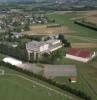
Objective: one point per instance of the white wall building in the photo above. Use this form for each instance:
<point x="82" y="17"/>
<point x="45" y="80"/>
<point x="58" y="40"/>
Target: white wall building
<point x="80" y="55"/>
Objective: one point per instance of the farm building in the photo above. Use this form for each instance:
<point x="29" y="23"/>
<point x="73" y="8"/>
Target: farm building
<point x="41" y="47"/>
<point x="60" y="70"/>
<point x="80" y="55"/>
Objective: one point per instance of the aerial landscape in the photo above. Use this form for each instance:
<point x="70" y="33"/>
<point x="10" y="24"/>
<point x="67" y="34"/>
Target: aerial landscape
<point x="48" y="49"/>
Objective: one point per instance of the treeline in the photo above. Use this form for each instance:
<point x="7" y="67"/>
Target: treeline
<point x="54" y="26"/>
<point x="86" y="24"/>
<point x="64" y="87"/>
<point x="14" y="52"/>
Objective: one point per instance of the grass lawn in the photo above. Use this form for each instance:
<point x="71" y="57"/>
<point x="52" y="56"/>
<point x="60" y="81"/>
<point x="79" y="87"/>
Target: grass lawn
<point x="25" y="87"/>
<point x="13" y="88"/>
<point x="1" y="56"/>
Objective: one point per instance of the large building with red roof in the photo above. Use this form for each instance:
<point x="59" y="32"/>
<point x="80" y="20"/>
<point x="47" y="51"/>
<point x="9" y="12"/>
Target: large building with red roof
<point x="80" y="55"/>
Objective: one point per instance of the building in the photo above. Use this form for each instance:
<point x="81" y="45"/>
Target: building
<point x="42" y="47"/>
<point x="80" y="55"/>
<point x="12" y="61"/>
<point x="51" y="71"/>
<point x="16" y="35"/>
<point x="73" y="79"/>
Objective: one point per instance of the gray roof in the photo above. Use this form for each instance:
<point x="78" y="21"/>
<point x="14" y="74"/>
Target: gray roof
<point x="60" y="70"/>
<point x="35" y="45"/>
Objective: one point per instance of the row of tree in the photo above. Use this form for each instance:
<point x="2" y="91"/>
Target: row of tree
<point x="64" y="87"/>
<point x="14" y="52"/>
<point x="86" y="24"/>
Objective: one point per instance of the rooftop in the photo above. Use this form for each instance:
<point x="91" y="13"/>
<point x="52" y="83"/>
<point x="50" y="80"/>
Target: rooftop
<point x="35" y="45"/>
<point x="12" y="61"/>
<point x="60" y="70"/>
<point x="79" y="53"/>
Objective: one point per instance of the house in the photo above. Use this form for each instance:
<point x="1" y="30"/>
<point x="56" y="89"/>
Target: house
<point x="73" y="79"/>
<point x="59" y="71"/>
<point x="16" y="35"/>
<point x="36" y="46"/>
<point x="80" y="55"/>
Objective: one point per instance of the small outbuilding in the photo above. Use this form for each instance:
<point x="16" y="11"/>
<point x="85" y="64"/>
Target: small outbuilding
<point x="73" y="79"/>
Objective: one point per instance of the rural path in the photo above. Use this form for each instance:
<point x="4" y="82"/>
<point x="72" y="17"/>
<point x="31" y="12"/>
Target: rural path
<point x="42" y="85"/>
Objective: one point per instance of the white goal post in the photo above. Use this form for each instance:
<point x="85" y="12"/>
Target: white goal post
<point x="2" y="72"/>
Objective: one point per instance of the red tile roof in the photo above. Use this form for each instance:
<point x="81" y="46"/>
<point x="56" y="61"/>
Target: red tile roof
<point x="79" y="53"/>
<point x="72" y="78"/>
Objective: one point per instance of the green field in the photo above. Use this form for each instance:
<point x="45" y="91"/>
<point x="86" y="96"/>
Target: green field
<point x="65" y="19"/>
<point x="18" y="86"/>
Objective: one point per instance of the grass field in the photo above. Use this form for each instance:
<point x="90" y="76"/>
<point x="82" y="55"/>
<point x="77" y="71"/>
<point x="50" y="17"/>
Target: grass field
<point x="18" y="86"/>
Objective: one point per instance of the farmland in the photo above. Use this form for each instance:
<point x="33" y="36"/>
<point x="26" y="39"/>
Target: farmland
<point x="43" y="29"/>
<point x="65" y="19"/>
<point x="92" y="19"/>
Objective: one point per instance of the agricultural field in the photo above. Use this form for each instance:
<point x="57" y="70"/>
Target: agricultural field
<point x="66" y="20"/>
<point x="92" y="19"/>
<point x="84" y="45"/>
<point x="45" y="30"/>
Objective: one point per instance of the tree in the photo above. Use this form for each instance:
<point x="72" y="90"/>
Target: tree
<point x="64" y="41"/>
<point x="62" y="38"/>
